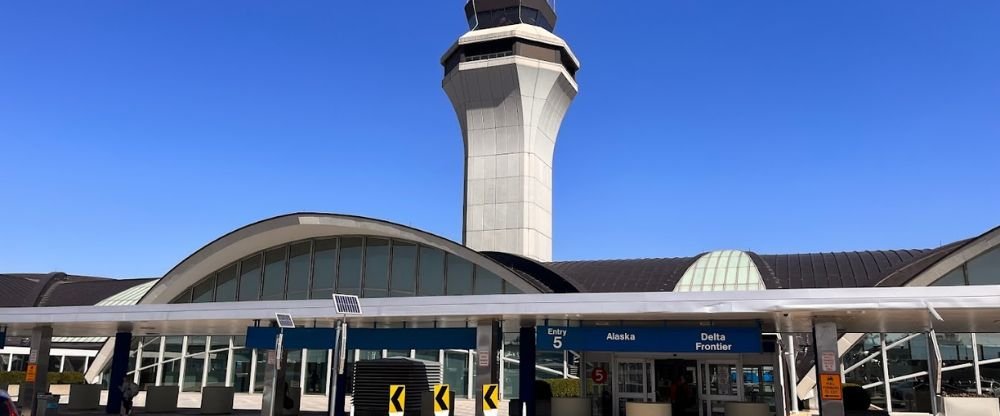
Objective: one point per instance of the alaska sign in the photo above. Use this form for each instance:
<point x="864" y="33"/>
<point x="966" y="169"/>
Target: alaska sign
<point x="651" y="339"/>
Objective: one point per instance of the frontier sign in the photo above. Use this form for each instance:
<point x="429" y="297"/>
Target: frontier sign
<point x="651" y="339"/>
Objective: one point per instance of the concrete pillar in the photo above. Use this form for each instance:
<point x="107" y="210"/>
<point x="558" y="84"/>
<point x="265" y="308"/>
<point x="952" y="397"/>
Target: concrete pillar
<point x="38" y="368"/>
<point x="526" y="376"/>
<point x="488" y="342"/>
<point x="828" y="369"/>
<point x="119" y="367"/>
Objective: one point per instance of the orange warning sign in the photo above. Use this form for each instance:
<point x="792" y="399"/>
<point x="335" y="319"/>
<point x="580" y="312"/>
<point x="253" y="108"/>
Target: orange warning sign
<point x="31" y="373"/>
<point x="829" y="387"/>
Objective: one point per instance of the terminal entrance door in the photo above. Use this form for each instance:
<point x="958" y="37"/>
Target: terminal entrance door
<point x="633" y="382"/>
<point x="720" y="383"/>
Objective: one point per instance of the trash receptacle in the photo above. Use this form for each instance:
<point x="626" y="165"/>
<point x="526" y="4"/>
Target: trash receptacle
<point x="48" y="404"/>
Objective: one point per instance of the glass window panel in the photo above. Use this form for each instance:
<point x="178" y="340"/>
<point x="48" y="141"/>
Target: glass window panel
<point x="377" y="268"/>
<point x="459" y="276"/>
<point x="955" y="348"/>
<point x="316" y="366"/>
<point x="171" y="360"/>
<point x="260" y="365"/>
<point x="274" y="275"/>
<point x="456" y="371"/>
<point x="150" y="354"/>
<point x="294" y="368"/>
<point x="431" y="276"/>
<point x="225" y="290"/>
<point x="990" y="376"/>
<point x="242" y="360"/>
<point x="404" y="269"/>
<point x="349" y="279"/>
<point x="204" y="291"/>
<point x="76" y="364"/>
<point x="19" y="362"/>
<point x="989" y="346"/>
<point x="954" y="278"/>
<point x="985" y="269"/>
<point x="869" y="344"/>
<point x="298" y="271"/>
<point x="397" y="353"/>
<point x="218" y="360"/>
<point x="194" y="364"/>
<point x="324" y="269"/>
<point x="487" y="283"/>
<point x="426" y="355"/>
<point x="250" y="278"/>
<point x="364" y="355"/>
<point x="511" y="289"/>
<point x="908" y="358"/>
<point x="55" y="361"/>
<point x="183" y="298"/>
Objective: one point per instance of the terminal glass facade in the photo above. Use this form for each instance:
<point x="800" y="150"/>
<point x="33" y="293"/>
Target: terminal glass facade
<point x="371" y="267"/>
<point x="970" y="361"/>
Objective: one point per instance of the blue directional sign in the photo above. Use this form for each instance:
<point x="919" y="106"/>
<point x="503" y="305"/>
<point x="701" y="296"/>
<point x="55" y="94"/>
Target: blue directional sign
<point x="701" y="340"/>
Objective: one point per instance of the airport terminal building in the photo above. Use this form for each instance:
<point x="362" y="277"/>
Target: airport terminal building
<point x="736" y="326"/>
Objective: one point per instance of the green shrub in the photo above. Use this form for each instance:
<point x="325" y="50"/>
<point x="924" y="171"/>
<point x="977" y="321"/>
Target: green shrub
<point x="565" y="387"/>
<point x="70" y="377"/>
<point x="17" y="377"/>
<point x="11" y="377"/>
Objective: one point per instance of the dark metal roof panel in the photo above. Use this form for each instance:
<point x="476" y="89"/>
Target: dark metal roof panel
<point x="85" y="292"/>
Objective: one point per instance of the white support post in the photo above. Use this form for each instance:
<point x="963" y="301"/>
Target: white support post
<point x="230" y="362"/>
<point x="885" y="375"/>
<point x="86" y="364"/>
<point x="253" y="369"/>
<point x="181" y="374"/>
<point x="793" y="387"/>
<point x="62" y="363"/>
<point x="159" y="361"/>
<point x="329" y="374"/>
<point x="303" y="366"/>
<point x="470" y="364"/>
<point x="206" y="362"/>
<point x="138" y="362"/>
<point x="975" y="362"/>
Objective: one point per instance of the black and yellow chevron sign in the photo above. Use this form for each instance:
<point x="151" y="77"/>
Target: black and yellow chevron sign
<point x="397" y="399"/>
<point x="491" y="398"/>
<point x="442" y="398"/>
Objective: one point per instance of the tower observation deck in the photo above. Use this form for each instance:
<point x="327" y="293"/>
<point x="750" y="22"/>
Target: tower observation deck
<point x="510" y="81"/>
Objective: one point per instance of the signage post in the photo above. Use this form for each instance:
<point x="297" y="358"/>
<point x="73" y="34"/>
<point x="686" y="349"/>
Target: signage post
<point x="343" y="305"/>
<point x="831" y="396"/>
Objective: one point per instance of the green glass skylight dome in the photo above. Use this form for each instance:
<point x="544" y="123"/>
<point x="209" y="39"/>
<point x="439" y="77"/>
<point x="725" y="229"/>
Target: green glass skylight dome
<point x="723" y="270"/>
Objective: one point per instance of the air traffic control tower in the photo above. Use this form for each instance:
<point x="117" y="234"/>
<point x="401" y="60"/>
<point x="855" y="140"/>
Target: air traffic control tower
<point x="511" y="81"/>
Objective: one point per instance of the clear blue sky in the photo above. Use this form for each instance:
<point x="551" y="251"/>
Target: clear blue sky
<point x="134" y="132"/>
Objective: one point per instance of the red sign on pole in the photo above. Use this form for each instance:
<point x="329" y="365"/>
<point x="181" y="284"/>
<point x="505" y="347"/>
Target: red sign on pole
<point x="599" y="376"/>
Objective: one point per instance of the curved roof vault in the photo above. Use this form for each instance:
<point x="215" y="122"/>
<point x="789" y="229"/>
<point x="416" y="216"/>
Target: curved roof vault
<point x="284" y="229"/>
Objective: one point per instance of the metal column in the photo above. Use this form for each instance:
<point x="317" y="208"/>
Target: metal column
<point x="38" y="368"/>
<point x="488" y="342"/>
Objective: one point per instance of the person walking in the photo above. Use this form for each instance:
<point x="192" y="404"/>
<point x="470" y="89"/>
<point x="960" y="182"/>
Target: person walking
<point x="129" y="390"/>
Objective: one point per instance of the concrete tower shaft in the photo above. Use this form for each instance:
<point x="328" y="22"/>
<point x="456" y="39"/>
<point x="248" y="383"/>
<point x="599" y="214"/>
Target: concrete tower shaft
<point x="510" y="87"/>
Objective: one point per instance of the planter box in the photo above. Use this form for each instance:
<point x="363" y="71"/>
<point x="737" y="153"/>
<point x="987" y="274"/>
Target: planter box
<point x="970" y="406"/>
<point x="747" y="409"/>
<point x="162" y="399"/>
<point x="84" y="396"/>
<point x="648" y="409"/>
<point x="217" y="400"/>
<point x="570" y="406"/>
<point x="60" y="389"/>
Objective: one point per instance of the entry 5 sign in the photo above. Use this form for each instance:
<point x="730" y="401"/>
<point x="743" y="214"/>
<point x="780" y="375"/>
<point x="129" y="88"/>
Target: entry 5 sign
<point x="700" y="340"/>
